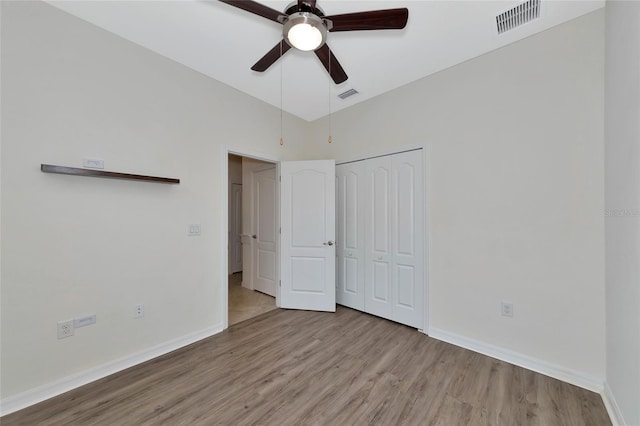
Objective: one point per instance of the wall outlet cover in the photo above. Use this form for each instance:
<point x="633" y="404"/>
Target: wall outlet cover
<point x="507" y="309"/>
<point x="139" y="311"/>
<point x="65" y="329"/>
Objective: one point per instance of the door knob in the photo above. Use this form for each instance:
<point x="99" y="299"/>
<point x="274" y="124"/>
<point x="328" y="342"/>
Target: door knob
<point x="329" y="243"/>
<point x="254" y="236"/>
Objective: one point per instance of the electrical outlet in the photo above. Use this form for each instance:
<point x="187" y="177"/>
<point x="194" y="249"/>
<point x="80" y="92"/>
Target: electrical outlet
<point x="139" y="311"/>
<point x="507" y="309"/>
<point x="65" y="329"/>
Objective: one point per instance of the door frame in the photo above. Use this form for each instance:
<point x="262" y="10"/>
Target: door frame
<point x="224" y="247"/>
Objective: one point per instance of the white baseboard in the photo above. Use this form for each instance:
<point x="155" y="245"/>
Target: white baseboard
<point x="577" y="378"/>
<point x="612" y="406"/>
<point x="44" y="392"/>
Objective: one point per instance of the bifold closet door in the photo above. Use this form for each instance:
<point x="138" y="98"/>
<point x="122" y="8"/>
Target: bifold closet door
<point x="380" y="237"/>
<point x="378" y="252"/>
<point x="394" y="235"/>
<point x="407" y="230"/>
<point x="350" y="235"/>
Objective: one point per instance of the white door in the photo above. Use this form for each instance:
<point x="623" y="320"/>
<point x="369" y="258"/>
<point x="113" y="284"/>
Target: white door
<point x="394" y="259"/>
<point x="249" y="223"/>
<point x="350" y="235"/>
<point x="265" y="231"/>
<point x="408" y="241"/>
<point x="378" y="224"/>
<point x="235" y="228"/>
<point x="308" y="235"/>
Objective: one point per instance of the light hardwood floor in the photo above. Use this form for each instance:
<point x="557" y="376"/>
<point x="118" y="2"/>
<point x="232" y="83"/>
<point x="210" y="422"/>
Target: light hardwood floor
<point x="299" y="367"/>
<point x="245" y="303"/>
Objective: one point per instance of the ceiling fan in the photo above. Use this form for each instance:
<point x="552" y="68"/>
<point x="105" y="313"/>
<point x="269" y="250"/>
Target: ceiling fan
<point x="305" y="27"/>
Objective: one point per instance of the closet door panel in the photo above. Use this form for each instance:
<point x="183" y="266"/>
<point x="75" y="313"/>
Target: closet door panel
<point x="378" y="300"/>
<point x="405" y="209"/>
<point x="350" y="235"/>
<point x="351" y="273"/>
<point x="380" y="282"/>
<point x="406" y="286"/>
<point x="408" y="233"/>
<point x="380" y="230"/>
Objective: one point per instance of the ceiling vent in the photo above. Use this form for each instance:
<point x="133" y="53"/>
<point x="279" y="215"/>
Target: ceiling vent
<point x="350" y="92"/>
<point x="519" y="15"/>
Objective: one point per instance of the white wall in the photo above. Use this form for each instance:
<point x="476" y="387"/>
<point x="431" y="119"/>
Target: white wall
<point x="622" y="185"/>
<point x="516" y="193"/>
<point x="73" y="245"/>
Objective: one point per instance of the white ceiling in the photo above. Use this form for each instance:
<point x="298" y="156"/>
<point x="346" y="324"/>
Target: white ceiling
<point x="223" y="42"/>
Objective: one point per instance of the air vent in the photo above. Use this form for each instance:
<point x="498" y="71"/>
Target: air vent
<point x="350" y="92"/>
<point x="517" y="16"/>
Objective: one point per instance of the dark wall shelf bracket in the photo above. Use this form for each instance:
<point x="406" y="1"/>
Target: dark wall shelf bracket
<point x="48" y="168"/>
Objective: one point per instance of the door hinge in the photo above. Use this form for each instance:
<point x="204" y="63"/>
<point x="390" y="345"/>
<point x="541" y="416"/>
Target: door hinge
<point x="280" y="178"/>
<point x="280" y="281"/>
<point x="280" y="230"/>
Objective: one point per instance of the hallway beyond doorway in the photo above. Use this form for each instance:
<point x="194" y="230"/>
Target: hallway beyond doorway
<point x="245" y="303"/>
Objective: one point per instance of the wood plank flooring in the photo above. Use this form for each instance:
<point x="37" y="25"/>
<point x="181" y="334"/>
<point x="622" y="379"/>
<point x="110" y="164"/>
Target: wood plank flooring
<point x="310" y="368"/>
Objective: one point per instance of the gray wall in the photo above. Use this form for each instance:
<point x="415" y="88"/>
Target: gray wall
<point x="622" y="186"/>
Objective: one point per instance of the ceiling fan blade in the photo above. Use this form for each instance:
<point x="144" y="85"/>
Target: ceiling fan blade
<point x="387" y="19"/>
<point x="332" y="65"/>
<point x="256" y="8"/>
<point x="273" y="55"/>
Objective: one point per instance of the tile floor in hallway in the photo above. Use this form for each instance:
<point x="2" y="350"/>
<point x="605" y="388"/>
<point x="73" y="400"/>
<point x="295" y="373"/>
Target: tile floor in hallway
<point x="245" y="303"/>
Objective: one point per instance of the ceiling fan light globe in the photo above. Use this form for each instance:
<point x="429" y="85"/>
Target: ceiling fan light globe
<point x="305" y="37"/>
<point x="304" y="31"/>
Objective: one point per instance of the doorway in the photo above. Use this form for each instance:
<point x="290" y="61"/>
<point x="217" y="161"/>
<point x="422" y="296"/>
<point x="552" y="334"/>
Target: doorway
<point x="306" y="228"/>
<point x="252" y="233"/>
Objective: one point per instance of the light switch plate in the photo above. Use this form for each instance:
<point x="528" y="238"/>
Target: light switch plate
<point x="194" y="230"/>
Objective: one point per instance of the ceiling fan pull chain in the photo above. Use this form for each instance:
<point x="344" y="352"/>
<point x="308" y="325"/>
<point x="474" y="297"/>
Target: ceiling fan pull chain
<point x="330" y="116"/>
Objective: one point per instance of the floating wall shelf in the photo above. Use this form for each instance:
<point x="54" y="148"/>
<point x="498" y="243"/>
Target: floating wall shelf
<point x="48" y="168"/>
